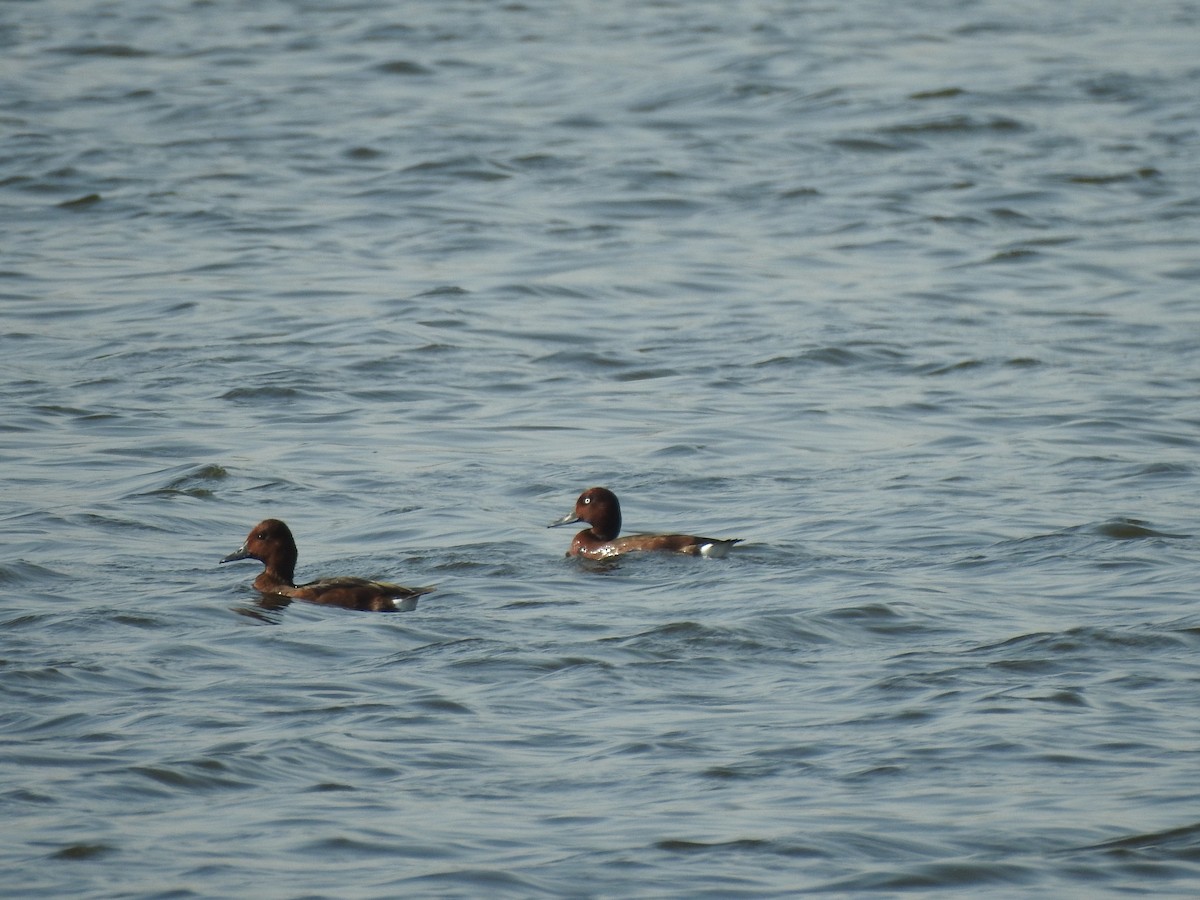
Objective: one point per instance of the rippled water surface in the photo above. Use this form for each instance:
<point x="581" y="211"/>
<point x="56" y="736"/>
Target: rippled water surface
<point x="903" y="295"/>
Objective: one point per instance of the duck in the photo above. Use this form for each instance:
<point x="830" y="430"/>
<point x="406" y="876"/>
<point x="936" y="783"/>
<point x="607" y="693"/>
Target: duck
<point x="271" y="543"/>
<point x="600" y="509"/>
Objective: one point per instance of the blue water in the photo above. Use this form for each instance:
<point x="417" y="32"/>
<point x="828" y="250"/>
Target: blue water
<point x="903" y="296"/>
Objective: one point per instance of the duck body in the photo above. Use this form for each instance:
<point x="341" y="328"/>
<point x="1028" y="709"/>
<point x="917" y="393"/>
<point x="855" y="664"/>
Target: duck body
<point x="600" y="509"/>
<point x="271" y="543"/>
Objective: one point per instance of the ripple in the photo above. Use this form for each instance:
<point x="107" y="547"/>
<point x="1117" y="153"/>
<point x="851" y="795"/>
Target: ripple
<point x="84" y="851"/>
<point x="1131" y="529"/>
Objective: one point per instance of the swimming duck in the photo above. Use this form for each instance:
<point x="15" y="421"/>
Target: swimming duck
<point x="600" y="509"/>
<point x="271" y="543"/>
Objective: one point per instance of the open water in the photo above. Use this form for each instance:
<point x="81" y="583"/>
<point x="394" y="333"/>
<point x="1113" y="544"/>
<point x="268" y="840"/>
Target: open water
<point x="905" y="295"/>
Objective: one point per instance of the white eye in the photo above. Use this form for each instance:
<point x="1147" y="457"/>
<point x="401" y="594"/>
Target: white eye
<point x="587" y="500"/>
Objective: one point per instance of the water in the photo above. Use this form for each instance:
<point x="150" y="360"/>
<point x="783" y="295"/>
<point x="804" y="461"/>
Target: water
<point x="904" y="296"/>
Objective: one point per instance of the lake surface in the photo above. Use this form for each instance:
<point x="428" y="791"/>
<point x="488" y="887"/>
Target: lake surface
<point x="906" y="296"/>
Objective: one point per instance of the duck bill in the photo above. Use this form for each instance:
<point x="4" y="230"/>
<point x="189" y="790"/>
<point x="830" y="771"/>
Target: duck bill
<point x="568" y="519"/>
<point x="240" y="553"/>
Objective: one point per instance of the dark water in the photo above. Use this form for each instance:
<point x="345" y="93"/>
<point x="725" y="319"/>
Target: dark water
<point x="904" y="295"/>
